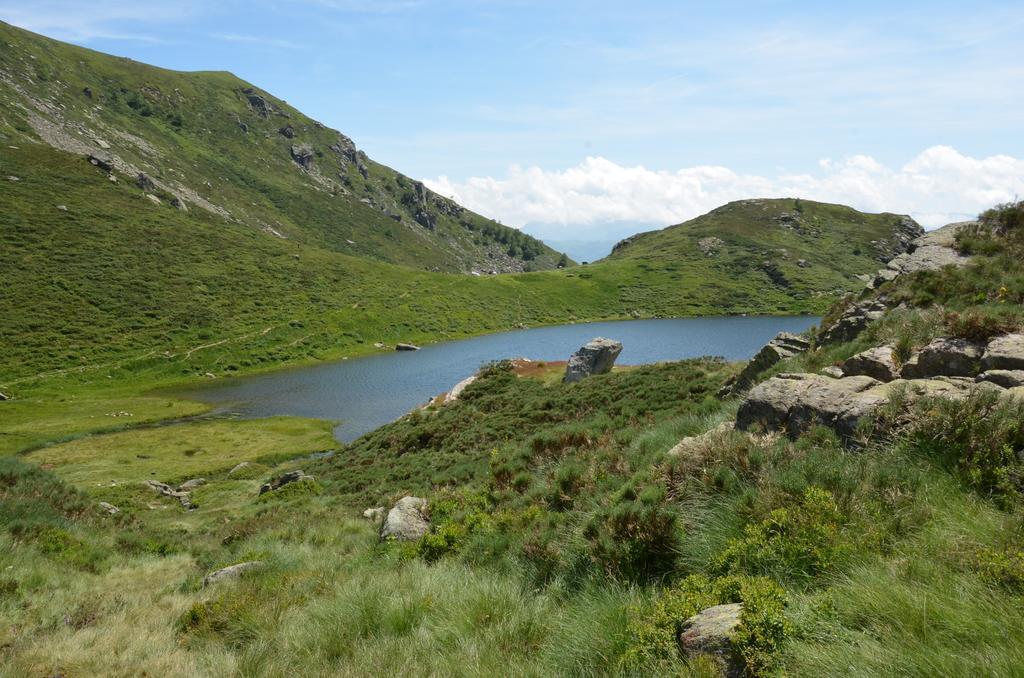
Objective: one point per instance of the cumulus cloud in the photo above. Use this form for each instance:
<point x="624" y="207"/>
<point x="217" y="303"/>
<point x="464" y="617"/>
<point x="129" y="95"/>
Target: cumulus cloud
<point x="937" y="186"/>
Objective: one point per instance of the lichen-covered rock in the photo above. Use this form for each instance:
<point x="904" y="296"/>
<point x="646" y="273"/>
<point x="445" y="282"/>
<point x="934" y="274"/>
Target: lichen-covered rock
<point x="944" y="357"/>
<point x="1004" y="353"/>
<point x="796" y="402"/>
<point x="833" y="371"/>
<point x="595" y="357"/>
<point x="407" y="520"/>
<point x="375" y="514"/>
<point x="183" y="497"/>
<point x="109" y="508"/>
<point x="230" y="572"/>
<point x="878" y="363"/>
<point x="711" y="632"/>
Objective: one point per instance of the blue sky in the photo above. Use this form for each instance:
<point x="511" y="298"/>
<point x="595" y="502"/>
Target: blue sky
<point x="519" y="108"/>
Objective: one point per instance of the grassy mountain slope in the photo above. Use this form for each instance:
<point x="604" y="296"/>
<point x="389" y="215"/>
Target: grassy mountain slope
<point x="219" y="145"/>
<point x="182" y="294"/>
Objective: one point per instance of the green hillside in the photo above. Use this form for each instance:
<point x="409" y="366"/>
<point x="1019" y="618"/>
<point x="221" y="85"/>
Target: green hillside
<point x="240" y="250"/>
<point x="213" y="143"/>
<point x="781" y="248"/>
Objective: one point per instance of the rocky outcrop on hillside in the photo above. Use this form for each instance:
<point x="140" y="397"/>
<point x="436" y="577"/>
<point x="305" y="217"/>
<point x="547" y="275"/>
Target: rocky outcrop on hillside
<point x="597" y="356"/>
<point x="285" y="479"/>
<point x="946" y="367"/>
<point x="784" y="345"/>
<point x="927" y="252"/>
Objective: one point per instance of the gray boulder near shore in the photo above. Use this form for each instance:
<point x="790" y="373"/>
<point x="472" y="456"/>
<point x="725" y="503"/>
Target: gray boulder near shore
<point x="407" y="520"/>
<point x="595" y="357"/>
<point x="406" y="347"/>
<point x="878" y="363"/>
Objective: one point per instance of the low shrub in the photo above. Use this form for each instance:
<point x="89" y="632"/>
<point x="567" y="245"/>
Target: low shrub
<point x="637" y="536"/>
<point x="978" y="437"/>
<point x="1001" y="568"/>
<point x="981" y="323"/>
<point x="795" y="542"/>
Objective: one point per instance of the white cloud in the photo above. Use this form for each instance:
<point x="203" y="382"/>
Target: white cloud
<point x="937" y="186"/>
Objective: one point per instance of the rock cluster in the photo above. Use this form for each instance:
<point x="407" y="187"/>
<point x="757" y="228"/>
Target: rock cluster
<point x="183" y="496"/>
<point x="950" y="368"/>
<point x="407" y="520"/>
<point x="597" y="356"/>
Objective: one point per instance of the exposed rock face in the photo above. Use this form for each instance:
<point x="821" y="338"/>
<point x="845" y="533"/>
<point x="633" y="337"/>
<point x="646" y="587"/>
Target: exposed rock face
<point x="832" y="371"/>
<point x="261" y="106"/>
<point x="927" y="252"/>
<point x="1004" y="378"/>
<point x="144" y="182"/>
<point x="287" y="132"/>
<point x="407" y="520"/>
<point x="101" y="161"/>
<point x="711" y="631"/>
<point x="285" y="479"/>
<point x="303" y="154"/>
<point x="230" y="572"/>
<point x="710" y="245"/>
<point x="853" y="321"/>
<point x="877" y="363"/>
<point x="406" y="347"/>
<point x="1004" y="353"/>
<point x="238" y="468"/>
<point x="784" y="345"/>
<point x="595" y="357"/>
<point x="375" y="514"/>
<point x="944" y="357"/>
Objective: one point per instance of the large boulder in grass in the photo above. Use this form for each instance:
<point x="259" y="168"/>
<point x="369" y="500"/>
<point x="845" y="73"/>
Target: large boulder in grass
<point x="944" y="357"/>
<point x="878" y="363"/>
<point x="711" y="632"/>
<point x="796" y="402"/>
<point x="407" y="520"/>
<point x="1004" y="353"/>
<point x="595" y="357"/>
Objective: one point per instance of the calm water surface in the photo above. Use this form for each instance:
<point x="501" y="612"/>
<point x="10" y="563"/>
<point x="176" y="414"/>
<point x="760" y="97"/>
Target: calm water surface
<point x="364" y="393"/>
